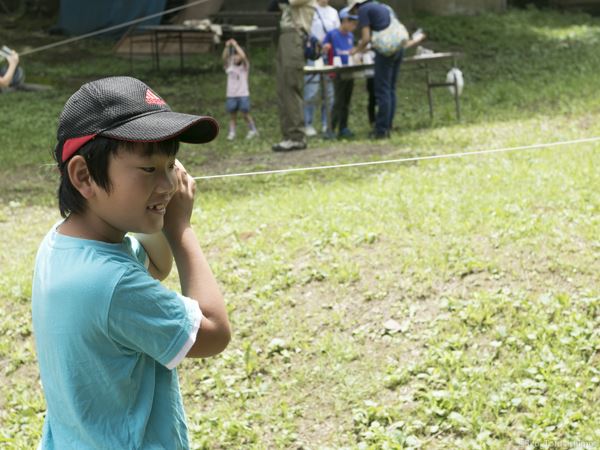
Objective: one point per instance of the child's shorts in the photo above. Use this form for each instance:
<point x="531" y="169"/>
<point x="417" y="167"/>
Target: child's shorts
<point x="233" y="104"/>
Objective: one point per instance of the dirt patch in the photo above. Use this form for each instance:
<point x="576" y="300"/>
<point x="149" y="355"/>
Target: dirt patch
<point x="317" y="154"/>
<point x="356" y="314"/>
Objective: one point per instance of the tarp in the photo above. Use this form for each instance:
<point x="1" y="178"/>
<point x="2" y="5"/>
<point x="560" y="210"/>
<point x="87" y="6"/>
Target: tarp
<point x="80" y="17"/>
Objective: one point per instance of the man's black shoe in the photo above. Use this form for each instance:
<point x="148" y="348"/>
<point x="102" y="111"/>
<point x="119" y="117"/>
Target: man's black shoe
<point x="375" y="135"/>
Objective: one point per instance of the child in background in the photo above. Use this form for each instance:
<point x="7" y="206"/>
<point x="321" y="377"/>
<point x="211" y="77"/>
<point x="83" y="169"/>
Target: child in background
<point x="338" y="43"/>
<point x="237" y="67"/>
<point x="108" y="334"/>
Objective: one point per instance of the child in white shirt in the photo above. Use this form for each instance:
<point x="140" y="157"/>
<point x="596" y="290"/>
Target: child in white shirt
<point x="237" y="66"/>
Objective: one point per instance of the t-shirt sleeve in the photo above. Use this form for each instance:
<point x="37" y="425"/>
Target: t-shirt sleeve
<point x="146" y="317"/>
<point x="137" y="250"/>
<point x="363" y="18"/>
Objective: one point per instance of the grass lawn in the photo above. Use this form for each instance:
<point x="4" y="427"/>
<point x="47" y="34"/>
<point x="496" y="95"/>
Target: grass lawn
<point x="441" y="304"/>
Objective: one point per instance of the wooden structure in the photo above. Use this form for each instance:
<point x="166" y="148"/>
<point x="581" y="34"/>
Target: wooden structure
<point x="246" y="17"/>
<point x="166" y="40"/>
<point x="248" y="27"/>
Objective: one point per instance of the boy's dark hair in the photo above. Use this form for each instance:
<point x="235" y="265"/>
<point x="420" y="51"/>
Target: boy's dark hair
<point x="97" y="154"/>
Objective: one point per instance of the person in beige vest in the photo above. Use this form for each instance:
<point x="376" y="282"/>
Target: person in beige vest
<point x="296" y="20"/>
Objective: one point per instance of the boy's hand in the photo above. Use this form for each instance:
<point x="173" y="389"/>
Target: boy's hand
<point x="13" y="58"/>
<point x="179" y="209"/>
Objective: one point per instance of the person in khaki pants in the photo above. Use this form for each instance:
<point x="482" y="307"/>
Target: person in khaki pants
<point x="296" y="20"/>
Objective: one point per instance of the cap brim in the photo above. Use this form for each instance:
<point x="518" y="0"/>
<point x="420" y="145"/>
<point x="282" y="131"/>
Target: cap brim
<point x="164" y="125"/>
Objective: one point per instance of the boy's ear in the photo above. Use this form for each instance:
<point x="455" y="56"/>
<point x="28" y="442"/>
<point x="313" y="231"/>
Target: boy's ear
<point x="80" y="177"/>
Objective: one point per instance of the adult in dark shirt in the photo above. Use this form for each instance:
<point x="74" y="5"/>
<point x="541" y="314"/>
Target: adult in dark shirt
<point x="374" y="16"/>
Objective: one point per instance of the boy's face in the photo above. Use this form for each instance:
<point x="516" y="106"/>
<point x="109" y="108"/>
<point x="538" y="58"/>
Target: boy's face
<point x="349" y="25"/>
<point x="141" y="187"/>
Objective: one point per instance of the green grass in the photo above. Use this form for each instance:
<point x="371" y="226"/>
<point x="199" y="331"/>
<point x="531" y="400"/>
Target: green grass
<point x="440" y="304"/>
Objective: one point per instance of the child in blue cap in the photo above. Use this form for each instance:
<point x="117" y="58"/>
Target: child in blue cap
<point x="339" y="43"/>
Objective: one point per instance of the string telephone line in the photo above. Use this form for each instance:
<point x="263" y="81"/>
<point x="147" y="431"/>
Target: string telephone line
<point x="402" y="160"/>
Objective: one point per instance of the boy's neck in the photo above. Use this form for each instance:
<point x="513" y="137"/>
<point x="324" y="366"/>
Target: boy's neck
<point x="84" y="227"/>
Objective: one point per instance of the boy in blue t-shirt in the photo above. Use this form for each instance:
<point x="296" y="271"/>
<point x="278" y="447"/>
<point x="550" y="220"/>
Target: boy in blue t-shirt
<point x="108" y="334"/>
<point x="339" y="43"/>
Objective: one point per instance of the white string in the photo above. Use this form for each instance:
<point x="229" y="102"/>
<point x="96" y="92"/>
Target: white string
<point x="401" y="160"/>
<point x="106" y="30"/>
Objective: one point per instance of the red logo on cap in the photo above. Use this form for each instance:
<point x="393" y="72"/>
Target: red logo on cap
<point x="153" y="99"/>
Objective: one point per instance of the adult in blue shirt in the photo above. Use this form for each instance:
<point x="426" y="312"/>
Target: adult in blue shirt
<point x="374" y="16"/>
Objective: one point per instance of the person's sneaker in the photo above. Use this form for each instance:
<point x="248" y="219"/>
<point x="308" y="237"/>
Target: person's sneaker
<point x="288" y="146"/>
<point x="231" y="136"/>
<point x="310" y="131"/>
<point x="375" y="135"/>
<point x="345" y="133"/>
<point x="324" y="128"/>
<point x="329" y="135"/>
<point x="252" y="134"/>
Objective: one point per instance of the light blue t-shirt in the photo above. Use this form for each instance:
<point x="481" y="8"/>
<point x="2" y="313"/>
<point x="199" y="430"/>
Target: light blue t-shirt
<point x="108" y="337"/>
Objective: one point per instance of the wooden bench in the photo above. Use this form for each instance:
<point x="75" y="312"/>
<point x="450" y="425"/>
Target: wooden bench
<point x="258" y="18"/>
<point x="166" y="39"/>
<point x="248" y="27"/>
<point x="247" y="35"/>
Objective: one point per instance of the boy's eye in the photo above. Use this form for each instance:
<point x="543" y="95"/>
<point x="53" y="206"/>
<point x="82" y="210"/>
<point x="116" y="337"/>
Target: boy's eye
<point x="148" y="169"/>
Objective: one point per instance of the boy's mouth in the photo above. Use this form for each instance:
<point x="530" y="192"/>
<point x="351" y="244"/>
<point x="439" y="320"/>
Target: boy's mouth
<point x="159" y="208"/>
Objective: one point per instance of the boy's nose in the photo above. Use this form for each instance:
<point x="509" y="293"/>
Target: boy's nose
<point x="168" y="182"/>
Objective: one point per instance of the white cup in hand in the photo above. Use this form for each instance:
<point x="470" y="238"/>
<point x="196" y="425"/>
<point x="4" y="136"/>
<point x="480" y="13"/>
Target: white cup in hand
<point x="418" y="35"/>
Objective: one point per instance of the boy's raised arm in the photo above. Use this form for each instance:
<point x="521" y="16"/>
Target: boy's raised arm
<point x="196" y="277"/>
<point x="225" y="55"/>
<point x="159" y="254"/>
<point x="239" y="50"/>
